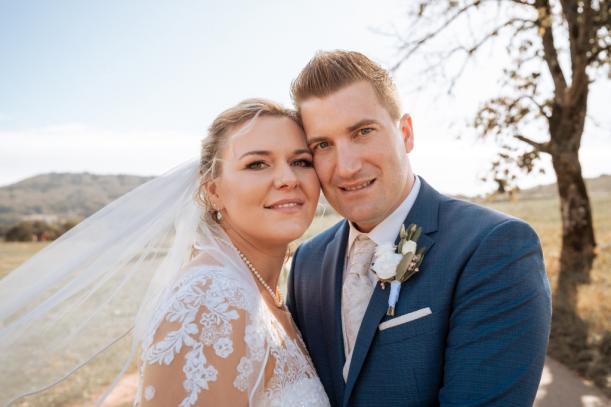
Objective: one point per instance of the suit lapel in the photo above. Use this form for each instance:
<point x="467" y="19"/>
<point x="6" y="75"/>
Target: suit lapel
<point x="424" y="213"/>
<point x="378" y="304"/>
<point x="332" y="272"/>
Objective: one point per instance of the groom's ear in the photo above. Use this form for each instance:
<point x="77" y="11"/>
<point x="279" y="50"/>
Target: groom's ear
<point x="407" y="132"/>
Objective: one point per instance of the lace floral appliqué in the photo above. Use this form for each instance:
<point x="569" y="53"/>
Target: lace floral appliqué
<point x="202" y="310"/>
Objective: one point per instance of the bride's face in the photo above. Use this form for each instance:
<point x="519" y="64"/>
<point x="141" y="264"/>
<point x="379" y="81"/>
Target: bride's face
<point x="267" y="189"/>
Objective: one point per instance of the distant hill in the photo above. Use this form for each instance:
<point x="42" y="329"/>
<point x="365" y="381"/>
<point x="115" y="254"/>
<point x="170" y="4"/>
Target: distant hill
<point x="599" y="186"/>
<point x="61" y="196"/>
<point x="58" y="196"/>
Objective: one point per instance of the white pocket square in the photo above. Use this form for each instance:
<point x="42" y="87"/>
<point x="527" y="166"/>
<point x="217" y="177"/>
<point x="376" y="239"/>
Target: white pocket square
<point x="423" y="312"/>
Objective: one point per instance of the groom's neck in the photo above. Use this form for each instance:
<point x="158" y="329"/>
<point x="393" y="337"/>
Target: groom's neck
<point x="366" y="227"/>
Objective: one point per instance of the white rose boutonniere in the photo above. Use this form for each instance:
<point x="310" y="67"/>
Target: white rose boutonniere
<point x="395" y="265"/>
<point x="385" y="262"/>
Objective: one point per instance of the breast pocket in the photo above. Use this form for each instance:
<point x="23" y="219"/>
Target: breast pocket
<point x="394" y="330"/>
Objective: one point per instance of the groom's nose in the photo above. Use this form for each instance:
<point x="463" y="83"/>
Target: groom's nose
<point x="348" y="161"/>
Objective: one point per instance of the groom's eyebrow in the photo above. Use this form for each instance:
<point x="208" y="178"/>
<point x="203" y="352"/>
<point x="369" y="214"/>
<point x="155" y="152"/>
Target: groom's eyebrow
<point x="361" y="123"/>
<point x="315" y="140"/>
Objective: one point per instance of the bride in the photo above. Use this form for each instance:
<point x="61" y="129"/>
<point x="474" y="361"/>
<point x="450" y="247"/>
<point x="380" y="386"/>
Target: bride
<point x="185" y="268"/>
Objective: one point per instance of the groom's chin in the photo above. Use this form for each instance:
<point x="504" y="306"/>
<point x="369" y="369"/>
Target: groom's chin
<point x="362" y="215"/>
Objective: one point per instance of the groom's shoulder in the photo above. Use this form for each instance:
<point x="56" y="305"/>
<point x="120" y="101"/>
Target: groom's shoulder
<point x="459" y="213"/>
<point x="451" y="206"/>
<point x="466" y="216"/>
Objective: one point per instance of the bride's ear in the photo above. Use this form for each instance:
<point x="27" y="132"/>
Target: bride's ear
<point x="211" y="190"/>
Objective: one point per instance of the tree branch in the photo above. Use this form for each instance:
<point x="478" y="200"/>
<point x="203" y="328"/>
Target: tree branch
<point x="571" y="15"/>
<point x="581" y="28"/>
<point x="469" y="51"/>
<point x="550" y="54"/>
<point x="534" y="101"/>
<point x="603" y="17"/>
<point x="412" y="46"/>
<point x="543" y="147"/>
<point x="597" y="51"/>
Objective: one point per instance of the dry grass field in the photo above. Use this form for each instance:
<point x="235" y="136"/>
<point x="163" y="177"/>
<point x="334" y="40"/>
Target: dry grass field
<point x="594" y="304"/>
<point x="13" y="254"/>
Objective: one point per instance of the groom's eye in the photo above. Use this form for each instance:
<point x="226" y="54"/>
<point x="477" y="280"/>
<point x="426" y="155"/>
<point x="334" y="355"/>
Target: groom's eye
<point x="321" y="145"/>
<point x="365" y="131"/>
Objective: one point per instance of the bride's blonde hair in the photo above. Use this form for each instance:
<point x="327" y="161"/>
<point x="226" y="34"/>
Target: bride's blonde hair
<point x="214" y="143"/>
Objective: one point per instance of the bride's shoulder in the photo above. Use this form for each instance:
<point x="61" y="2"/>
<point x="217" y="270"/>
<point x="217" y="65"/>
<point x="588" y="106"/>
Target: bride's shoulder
<point x="207" y="291"/>
<point x="208" y="330"/>
<point x="214" y="281"/>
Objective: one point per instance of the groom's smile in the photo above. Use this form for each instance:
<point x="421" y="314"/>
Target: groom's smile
<point x="360" y="152"/>
<point x="356" y="186"/>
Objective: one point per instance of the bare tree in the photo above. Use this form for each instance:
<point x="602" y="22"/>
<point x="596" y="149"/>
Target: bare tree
<point x="557" y="49"/>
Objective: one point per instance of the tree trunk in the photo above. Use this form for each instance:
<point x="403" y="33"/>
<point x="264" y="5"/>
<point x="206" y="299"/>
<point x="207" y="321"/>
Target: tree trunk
<point x="577" y="253"/>
<point x="569" y="332"/>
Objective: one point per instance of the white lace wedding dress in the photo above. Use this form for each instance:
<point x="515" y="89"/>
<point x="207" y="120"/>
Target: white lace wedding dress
<point x="213" y="341"/>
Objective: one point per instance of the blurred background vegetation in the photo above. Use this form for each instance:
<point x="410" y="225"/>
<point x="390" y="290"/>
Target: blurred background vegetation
<point x="539" y="206"/>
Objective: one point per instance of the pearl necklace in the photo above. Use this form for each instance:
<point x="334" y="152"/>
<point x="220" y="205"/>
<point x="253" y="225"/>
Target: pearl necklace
<point x="275" y="295"/>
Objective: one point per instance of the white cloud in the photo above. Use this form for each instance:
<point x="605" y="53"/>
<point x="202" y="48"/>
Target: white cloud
<point x="78" y="148"/>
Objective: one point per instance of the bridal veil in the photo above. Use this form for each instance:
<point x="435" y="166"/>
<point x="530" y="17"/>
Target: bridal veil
<point x="95" y="288"/>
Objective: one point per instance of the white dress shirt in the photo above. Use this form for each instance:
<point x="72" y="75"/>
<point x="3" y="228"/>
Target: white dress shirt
<point x="385" y="232"/>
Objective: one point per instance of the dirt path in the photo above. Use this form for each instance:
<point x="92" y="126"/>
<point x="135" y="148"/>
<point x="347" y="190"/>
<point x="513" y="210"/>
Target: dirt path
<point x="559" y="387"/>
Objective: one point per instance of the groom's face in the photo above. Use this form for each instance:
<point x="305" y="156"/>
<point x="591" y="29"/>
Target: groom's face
<point x="360" y="153"/>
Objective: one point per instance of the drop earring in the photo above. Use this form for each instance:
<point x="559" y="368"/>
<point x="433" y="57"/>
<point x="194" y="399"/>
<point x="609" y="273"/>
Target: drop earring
<point x="217" y="214"/>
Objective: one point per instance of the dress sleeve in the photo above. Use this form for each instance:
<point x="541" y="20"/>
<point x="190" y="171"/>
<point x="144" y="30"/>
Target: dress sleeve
<point x="203" y="349"/>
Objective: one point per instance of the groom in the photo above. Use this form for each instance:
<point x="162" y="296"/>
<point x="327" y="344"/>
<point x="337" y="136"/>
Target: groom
<point x="471" y="327"/>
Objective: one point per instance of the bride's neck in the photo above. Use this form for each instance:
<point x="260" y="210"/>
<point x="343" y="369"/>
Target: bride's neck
<point x="266" y="258"/>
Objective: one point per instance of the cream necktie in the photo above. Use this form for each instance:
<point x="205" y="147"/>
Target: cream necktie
<point x="356" y="293"/>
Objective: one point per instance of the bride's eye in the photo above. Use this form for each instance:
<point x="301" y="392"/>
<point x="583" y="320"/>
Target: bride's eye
<point x="302" y="163"/>
<point x="257" y="165"/>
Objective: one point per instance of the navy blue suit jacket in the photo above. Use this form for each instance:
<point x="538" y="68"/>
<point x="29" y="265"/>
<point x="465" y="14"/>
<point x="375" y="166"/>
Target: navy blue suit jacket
<point x="484" y="343"/>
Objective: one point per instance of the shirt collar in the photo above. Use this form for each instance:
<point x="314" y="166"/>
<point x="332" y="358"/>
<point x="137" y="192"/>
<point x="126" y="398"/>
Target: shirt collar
<point x="387" y="230"/>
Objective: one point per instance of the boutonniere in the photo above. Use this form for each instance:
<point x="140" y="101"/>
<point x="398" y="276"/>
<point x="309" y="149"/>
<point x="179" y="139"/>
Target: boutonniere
<point x="396" y="264"/>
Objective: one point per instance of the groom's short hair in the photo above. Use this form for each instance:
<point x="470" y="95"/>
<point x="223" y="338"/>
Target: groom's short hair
<point x="329" y="71"/>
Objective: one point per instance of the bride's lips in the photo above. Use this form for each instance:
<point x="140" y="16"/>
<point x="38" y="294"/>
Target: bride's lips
<point x="286" y="205"/>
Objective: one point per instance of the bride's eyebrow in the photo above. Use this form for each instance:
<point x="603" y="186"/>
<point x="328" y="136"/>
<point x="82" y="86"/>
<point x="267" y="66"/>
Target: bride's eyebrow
<point x="256" y="152"/>
<point x="268" y="153"/>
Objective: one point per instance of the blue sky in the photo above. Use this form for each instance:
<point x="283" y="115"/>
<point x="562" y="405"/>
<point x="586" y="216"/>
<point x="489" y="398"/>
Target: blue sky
<point x="153" y="64"/>
<point x="130" y="86"/>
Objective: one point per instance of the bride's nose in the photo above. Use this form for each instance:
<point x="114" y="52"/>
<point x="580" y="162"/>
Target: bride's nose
<point x="285" y="177"/>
